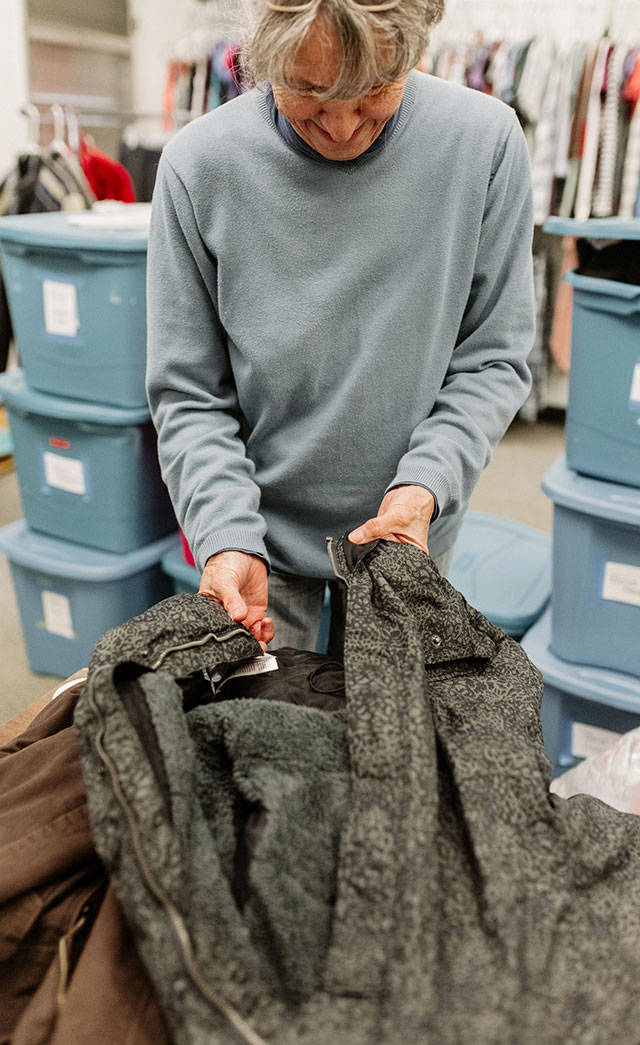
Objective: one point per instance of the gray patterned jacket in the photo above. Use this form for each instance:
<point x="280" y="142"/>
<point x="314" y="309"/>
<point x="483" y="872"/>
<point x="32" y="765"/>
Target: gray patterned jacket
<point x="415" y="881"/>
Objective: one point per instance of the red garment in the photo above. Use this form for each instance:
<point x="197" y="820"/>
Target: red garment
<point x="108" y="179"/>
<point x="631" y="90"/>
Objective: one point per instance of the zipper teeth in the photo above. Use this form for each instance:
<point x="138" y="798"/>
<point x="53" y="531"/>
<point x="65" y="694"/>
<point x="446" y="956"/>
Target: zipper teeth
<point x="334" y="565"/>
<point x="196" y="642"/>
<point x="211" y="995"/>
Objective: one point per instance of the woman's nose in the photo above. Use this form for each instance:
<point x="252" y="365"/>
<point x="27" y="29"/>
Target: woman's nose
<point x="340" y="120"/>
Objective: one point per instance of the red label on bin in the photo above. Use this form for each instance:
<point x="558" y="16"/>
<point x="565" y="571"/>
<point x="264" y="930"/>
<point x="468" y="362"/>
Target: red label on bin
<point x="61" y="444"/>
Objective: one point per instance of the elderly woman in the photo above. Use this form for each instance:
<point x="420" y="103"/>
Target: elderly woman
<point x="340" y="305"/>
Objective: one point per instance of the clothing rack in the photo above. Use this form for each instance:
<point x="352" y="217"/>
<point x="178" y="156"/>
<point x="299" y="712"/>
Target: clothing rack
<point x="108" y="117"/>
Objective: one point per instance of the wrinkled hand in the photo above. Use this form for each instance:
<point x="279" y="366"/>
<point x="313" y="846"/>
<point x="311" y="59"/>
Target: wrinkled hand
<point x="404" y="516"/>
<point x="239" y="581"/>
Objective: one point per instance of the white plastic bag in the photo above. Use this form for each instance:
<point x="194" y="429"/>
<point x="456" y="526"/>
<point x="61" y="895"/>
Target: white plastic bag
<point x="613" y="776"/>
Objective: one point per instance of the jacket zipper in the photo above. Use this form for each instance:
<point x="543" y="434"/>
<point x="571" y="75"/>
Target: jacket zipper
<point x="197" y="642"/>
<point x="334" y="565"/>
<point x="209" y="993"/>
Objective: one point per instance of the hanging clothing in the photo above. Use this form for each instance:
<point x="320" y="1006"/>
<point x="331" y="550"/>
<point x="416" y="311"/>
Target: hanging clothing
<point x="108" y="179"/>
<point x="545" y="143"/>
<point x="589" y="157"/>
<point x="631" y="174"/>
<point x="141" y="158"/>
<point x="603" y="199"/>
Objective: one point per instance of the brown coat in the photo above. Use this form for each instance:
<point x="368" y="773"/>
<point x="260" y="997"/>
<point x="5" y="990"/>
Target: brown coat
<point x="69" y="972"/>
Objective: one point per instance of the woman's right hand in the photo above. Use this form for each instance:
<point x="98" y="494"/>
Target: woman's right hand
<point x="239" y="581"/>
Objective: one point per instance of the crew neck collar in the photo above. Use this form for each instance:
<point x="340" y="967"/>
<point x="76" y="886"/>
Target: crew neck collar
<point x="285" y="131"/>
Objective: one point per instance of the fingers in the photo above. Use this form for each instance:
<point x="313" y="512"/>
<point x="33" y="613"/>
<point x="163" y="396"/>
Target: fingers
<point x="389" y="528"/>
<point x="369" y="531"/>
<point x="230" y="598"/>
<point x="263" y="631"/>
<point x="267" y="630"/>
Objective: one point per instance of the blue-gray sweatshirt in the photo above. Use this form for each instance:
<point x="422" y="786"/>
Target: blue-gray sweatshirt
<point x="320" y="332"/>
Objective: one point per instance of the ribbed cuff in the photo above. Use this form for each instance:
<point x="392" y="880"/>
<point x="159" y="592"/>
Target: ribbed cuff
<point x="435" y="482"/>
<point x="231" y="541"/>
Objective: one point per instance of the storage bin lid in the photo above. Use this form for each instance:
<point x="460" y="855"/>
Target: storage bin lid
<point x="595" y="228"/>
<point x="62" y="230"/>
<point x="16" y="394"/>
<point x="597" y="285"/>
<point x="592" y="496"/>
<point x="174" y="565"/>
<point x="25" y="547"/>
<point x="503" y="568"/>
<point x="603" y="685"/>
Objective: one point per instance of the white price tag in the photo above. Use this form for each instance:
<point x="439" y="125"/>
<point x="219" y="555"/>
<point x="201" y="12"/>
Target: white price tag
<point x="65" y="473"/>
<point x="634" y="395"/>
<point x="60" y="308"/>
<point x="57" y="614"/>
<point x="257" y="666"/>
<point x="621" y="583"/>
<point x="587" y="741"/>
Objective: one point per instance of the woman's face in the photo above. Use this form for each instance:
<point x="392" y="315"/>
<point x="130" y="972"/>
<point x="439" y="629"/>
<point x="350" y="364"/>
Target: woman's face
<point x="337" y="129"/>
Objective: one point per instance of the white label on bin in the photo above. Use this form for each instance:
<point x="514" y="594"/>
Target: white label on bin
<point x="57" y="614"/>
<point x="587" y="741"/>
<point x="621" y="583"/>
<point x="66" y="473"/>
<point x="635" y="385"/>
<point x="60" y="308"/>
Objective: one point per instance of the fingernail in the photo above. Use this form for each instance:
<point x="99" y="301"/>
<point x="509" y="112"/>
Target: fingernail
<point x="357" y="535"/>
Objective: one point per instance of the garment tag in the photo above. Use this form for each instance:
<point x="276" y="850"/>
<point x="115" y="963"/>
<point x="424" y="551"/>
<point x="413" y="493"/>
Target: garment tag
<point x="60" y="308"/>
<point x="66" y="473"/>
<point x="57" y="614"/>
<point x="257" y="666"/>
<point x="621" y="583"/>
<point x="587" y="741"/>
<point x="634" y="395"/>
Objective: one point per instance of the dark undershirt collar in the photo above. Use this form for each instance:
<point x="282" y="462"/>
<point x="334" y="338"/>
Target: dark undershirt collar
<point x="292" y="138"/>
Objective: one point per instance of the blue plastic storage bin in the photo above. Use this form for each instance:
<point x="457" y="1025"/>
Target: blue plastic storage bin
<point x="87" y="473"/>
<point x="584" y="709"/>
<point x="77" y="300"/>
<point x="186" y="578"/>
<point x="596" y="570"/>
<point x="69" y="595"/>
<point x="603" y="412"/>
<point x="503" y="568"/>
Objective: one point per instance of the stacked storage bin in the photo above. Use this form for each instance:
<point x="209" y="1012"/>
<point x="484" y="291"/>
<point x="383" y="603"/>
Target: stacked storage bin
<point x="588" y="644"/>
<point x="98" y="519"/>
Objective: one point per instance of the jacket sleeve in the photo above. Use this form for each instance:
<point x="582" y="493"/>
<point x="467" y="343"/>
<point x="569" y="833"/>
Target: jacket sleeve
<point x="190" y="386"/>
<point x="488" y="378"/>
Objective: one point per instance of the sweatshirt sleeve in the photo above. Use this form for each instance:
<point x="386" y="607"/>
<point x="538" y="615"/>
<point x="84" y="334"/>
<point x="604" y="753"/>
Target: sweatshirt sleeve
<point x="488" y="378"/>
<point x="190" y="386"/>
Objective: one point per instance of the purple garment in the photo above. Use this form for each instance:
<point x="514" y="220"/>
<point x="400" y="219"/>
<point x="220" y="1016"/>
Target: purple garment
<point x="478" y="68"/>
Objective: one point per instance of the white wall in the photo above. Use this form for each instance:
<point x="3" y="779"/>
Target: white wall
<point x="159" y="27"/>
<point x="13" y="82"/>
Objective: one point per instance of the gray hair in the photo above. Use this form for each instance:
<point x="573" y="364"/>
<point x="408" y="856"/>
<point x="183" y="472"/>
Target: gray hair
<point x="377" y="46"/>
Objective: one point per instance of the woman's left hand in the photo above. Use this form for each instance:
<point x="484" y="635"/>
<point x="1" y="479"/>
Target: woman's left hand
<point x="404" y="516"/>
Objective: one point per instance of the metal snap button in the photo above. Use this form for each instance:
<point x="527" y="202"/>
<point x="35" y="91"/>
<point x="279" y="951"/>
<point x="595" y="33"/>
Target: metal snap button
<point x="436" y="640"/>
